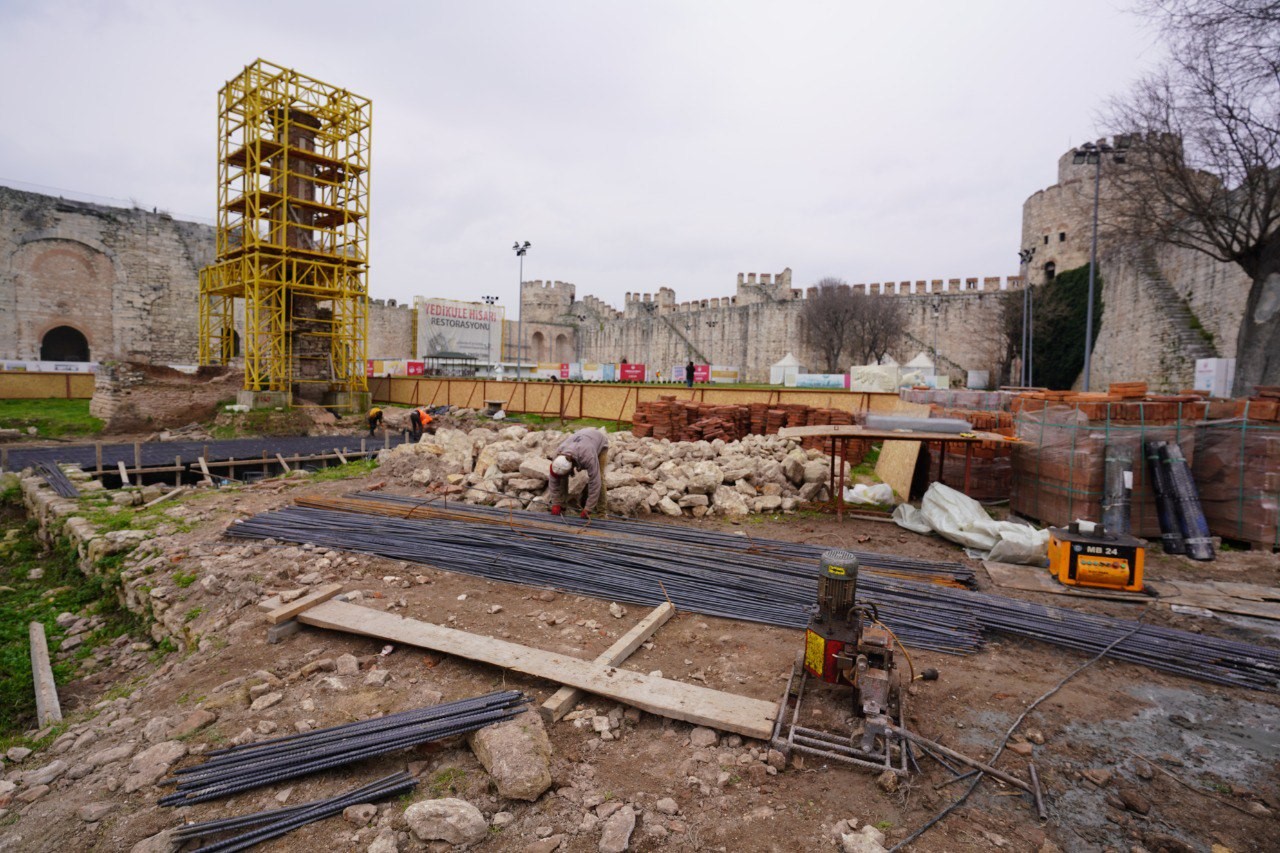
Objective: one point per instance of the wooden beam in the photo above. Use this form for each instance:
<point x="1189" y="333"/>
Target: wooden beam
<point x="566" y="697"/>
<point x="124" y="473"/>
<point x="698" y="705"/>
<point x="163" y="498"/>
<point x="48" y="709"/>
<point x="341" y="458"/>
<point x="293" y="608"/>
<point x="287" y="469"/>
<point x="204" y="469"/>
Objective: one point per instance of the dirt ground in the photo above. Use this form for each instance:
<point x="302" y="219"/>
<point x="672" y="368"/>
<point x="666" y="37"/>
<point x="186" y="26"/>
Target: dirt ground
<point x="1211" y="778"/>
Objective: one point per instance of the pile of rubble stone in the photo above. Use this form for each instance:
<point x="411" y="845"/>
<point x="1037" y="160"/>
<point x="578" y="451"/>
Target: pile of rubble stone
<point x="508" y="468"/>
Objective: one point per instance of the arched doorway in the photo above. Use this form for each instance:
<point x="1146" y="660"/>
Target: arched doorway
<point x="63" y="343"/>
<point x="539" y="342"/>
<point x="562" y="349"/>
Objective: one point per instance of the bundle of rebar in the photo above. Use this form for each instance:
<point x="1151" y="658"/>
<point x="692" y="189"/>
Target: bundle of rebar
<point x="57" y="480"/>
<point x="276" y="822"/>
<point x="243" y="768"/>
<point x="163" y="453"/>
<point x="714" y="574"/>
<point x="720" y="574"/>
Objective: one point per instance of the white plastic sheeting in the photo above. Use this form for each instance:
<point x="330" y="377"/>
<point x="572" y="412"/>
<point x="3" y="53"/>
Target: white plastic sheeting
<point x="955" y="516"/>
<point x="880" y="494"/>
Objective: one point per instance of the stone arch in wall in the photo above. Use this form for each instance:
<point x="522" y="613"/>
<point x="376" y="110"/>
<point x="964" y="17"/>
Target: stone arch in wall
<point x="563" y="352"/>
<point x="60" y="282"/>
<point x="64" y="343"/>
<point x="538" y="344"/>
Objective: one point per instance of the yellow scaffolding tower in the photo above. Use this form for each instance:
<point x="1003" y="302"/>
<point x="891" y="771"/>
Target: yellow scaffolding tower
<point x="292" y="239"/>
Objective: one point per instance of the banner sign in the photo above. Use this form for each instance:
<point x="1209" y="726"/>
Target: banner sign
<point x="449" y="326"/>
<point x="822" y="380"/>
<point x="592" y="371"/>
<point x="49" y="366"/>
<point x="719" y="373"/>
<point x="631" y="372"/>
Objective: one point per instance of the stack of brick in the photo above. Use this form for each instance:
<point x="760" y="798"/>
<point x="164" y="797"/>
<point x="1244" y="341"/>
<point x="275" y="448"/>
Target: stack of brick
<point x="1237" y="468"/>
<point x="1057" y="465"/>
<point x="689" y="420"/>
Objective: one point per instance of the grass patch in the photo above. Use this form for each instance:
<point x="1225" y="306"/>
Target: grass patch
<point x="50" y="417"/>
<point x="61" y="588"/>
<point x="357" y="468"/>
<point x="568" y="425"/>
<point x="447" y="781"/>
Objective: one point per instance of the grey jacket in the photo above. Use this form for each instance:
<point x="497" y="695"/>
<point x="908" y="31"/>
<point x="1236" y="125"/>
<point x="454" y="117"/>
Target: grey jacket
<point x="583" y="449"/>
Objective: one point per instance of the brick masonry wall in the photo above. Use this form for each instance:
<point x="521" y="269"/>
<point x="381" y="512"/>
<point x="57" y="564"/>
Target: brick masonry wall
<point x="126" y="278"/>
<point x="132" y="397"/>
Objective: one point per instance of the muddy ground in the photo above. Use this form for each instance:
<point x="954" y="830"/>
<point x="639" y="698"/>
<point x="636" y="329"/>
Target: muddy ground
<point x="1212" y="781"/>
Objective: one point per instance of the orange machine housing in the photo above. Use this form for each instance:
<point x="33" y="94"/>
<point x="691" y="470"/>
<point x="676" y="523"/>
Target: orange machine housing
<point x="1096" y="558"/>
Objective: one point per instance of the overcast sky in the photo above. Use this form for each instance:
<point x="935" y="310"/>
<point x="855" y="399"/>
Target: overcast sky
<point x="635" y="144"/>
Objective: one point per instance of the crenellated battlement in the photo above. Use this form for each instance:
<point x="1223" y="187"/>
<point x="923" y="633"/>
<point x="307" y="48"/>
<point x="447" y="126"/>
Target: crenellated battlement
<point x="937" y="286"/>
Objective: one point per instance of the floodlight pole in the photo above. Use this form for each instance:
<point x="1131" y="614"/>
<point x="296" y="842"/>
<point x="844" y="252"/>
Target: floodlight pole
<point x="1092" y="152"/>
<point x="520" y="250"/>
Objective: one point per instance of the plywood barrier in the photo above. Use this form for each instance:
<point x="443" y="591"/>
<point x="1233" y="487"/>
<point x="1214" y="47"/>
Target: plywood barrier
<point x="39" y="386"/>
<point x="572" y="400"/>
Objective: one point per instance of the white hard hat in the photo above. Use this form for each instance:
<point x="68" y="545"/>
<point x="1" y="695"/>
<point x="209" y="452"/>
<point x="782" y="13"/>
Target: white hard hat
<point x="561" y="465"/>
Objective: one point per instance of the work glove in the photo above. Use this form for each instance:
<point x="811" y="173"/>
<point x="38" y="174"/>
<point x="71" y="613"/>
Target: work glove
<point x="584" y="514"/>
<point x="557" y="509"/>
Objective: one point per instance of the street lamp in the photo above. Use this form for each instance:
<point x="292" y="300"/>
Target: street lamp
<point x="1093" y="152"/>
<point x="1025" y="257"/>
<point x="520" y="250"/>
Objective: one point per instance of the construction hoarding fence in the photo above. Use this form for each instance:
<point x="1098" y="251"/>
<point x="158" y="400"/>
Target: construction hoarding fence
<point x="573" y="400"/>
<point x="1237" y="471"/>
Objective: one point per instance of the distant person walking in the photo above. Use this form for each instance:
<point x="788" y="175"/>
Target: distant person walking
<point x="688" y="374"/>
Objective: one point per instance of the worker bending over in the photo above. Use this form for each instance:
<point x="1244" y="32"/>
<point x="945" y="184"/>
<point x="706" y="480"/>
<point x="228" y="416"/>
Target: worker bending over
<point x="419" y="420"/>
<point x="375" y="419"/>
<point x="585" y="450"/>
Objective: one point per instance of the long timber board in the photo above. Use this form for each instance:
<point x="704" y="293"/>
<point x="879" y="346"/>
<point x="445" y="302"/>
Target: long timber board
<point x="677" y="700"/>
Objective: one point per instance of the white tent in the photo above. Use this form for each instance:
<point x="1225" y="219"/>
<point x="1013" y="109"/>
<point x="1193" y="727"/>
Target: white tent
<point x="922" y="363"/>
<point x="786" y="366"/>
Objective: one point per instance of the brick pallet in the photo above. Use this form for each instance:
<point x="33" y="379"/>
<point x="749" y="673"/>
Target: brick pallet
<point x="687" y="420"/>
<point x="1237" y="470"/>
<point x="1057" y="467"/>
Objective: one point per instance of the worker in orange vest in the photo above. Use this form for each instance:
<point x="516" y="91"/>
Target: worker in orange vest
<point x="419" y="420"/>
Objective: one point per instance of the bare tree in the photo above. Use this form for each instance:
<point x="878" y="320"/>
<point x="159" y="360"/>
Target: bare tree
<point x="829" y="316"/>
<point x="1204" y="170"/>
<point x="879" y="323"/>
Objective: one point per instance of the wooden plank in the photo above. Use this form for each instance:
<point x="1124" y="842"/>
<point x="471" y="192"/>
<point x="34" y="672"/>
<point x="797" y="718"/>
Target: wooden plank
<point x="566" y="697"/>
<point x="699" y="705"/>
<point x="287" y="469"/>
<point x="288" y="611"/>
<point x="1038" y="579"/>
<point x="124" y="473"/>
<point x="163" y="498"/>
<point x="855" y="431"/>
<point x="48" y="709"/>
<point x="204" y="469"/>
<point x="341" y="458"/>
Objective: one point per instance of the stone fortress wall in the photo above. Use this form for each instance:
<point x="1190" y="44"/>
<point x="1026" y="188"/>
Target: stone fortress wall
<point x="126" y="279"/>
<point x="759" y="324"/>
<point x="1163" y="306"/>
